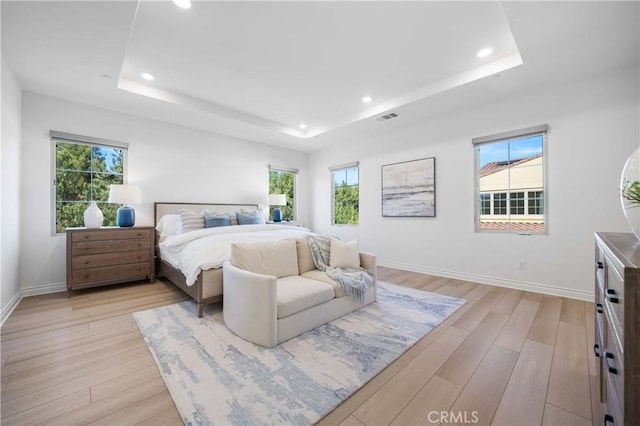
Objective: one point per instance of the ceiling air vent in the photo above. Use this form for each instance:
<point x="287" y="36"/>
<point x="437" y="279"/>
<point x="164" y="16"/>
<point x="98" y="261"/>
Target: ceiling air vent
<point x="387" y="116"/>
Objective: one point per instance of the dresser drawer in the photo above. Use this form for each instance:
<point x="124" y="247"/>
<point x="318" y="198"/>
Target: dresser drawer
<point x="109" y="246"/>
<point x="112" y="234"/>
<point x="614" y="294"/>
<point x="110" y="259"/>
<point x="613" y="364"/>
<point x="614" y="413"/>
<point x="112" y="273"/>
<point x="598" y="349"/>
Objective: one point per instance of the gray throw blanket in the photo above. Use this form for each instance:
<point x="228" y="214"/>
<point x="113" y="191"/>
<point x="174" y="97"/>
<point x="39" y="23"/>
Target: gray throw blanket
<point x="354" y="281"/>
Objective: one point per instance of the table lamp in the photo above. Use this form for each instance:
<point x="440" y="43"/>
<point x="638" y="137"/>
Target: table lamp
<point x="277" y="200"/>
<point x="125" y="194"/>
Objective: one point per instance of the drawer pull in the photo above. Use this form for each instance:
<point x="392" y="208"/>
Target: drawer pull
<point x="607" y="357"/>
<point x="599" y="265"/>
<point x="608" y="418"/>
<point x="611" y="292"/>
<point x="596" y="350"/>
<point x="599" y="308"/>
<point x="613" y="299"/>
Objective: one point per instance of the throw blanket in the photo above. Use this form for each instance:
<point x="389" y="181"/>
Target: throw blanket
<point x="354" y="281"/>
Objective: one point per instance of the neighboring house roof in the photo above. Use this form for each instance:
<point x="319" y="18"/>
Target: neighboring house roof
<point x="496" y="166"/>
<point x="513" y="226"/>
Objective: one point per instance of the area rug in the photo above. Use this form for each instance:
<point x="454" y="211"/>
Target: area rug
<point x="215" y="377"/>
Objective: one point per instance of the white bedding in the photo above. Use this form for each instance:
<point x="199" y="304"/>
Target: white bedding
<point x="195" y="251"/>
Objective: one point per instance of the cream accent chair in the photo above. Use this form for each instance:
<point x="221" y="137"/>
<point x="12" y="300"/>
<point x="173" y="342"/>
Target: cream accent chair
<point x="273" y="292"/>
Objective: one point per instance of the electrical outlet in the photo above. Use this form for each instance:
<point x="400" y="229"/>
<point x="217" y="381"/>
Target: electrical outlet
<point x="523" y="265"/>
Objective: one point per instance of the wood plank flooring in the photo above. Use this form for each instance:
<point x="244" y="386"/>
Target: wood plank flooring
<point x="507" y="357"/>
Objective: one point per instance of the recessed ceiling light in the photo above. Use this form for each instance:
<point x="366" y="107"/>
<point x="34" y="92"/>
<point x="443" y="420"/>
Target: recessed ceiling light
<point x="367" y="99"/>
<point x="302" y="126"/>
<point x="483" y="53"/>
<point x="147" y="76"/>
<point x="184" y="4"/>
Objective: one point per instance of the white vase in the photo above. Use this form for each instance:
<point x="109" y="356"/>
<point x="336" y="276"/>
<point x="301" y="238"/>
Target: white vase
<point x="93" y="216"/>
<point x="631" y="174"/>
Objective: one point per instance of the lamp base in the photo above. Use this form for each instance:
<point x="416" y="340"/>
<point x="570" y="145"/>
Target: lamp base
<point x="277" y="215"/>
<point x="125" y="217"/>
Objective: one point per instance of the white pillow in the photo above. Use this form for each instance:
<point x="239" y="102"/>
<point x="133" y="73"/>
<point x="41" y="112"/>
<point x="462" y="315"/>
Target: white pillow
<point x="344" y="254"/>
<point x="168" y="225"/>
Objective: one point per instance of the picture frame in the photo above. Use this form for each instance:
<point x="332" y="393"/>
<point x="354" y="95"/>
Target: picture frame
<point x="409" y="188"/>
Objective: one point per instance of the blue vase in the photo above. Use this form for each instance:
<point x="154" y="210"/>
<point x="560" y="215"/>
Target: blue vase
<point x="277" y="215"/>
<point x="125" y="216"/>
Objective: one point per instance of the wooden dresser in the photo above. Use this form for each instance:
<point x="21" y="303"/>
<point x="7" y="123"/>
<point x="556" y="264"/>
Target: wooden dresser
<point x="617" y="340"/>
<point x="109" y="255"/>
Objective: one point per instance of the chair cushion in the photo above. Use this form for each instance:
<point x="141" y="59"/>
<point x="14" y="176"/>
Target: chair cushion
<point x="295" y="294"/>
<point x="318" y="275"/>
<point x="278" y="258"/>
<point x="305" y="259"/>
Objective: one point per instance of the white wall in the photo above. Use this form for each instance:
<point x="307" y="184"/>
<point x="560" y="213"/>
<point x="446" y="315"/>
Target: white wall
<point x="593" y="129"/>
<point x="169" y="162"/>
<point x="10" y="216"/>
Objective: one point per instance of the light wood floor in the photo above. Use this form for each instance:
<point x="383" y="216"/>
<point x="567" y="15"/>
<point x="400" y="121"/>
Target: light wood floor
<point x="506" y="357"/>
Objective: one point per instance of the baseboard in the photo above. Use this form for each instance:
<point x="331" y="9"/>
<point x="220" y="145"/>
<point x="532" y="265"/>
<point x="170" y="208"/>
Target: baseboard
<point x="44" y="289"/>
<point x="588" y="296"/>
<point x="7" y="310"/>
<point x="29" y="291"/>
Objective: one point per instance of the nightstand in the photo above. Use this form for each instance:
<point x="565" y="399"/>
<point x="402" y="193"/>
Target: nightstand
<point x="109" y="255"/>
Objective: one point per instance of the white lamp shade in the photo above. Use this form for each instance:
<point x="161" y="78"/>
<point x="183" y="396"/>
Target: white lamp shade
<point x="124" y="194"/>
<point x="277" y="200"/>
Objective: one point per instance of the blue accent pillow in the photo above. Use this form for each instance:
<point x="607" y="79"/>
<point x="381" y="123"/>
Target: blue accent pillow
<point x="253" y="218"/>
<point x="212" y="220"/>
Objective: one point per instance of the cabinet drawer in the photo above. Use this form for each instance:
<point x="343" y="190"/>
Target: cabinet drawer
<point x="109" y="246"/>
<point x="613" y="364"/>
<point x="613" y="407"/>
<point x="115" y="234"/>
<point x="110" y="259"/>
<point x="614" y="295"/>
<point x="112" y="273"/>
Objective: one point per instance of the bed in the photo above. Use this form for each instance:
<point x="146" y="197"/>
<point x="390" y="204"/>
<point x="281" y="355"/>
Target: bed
<point x="193" y="260"/>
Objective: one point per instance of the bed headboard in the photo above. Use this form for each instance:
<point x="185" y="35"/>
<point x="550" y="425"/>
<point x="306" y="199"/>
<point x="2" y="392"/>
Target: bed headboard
<point x="161" y="209"/>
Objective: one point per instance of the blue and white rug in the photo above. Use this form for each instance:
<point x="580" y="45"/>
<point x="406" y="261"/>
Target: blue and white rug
<point x="215" y="377"/>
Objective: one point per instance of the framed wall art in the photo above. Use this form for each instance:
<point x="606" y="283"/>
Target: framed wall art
<point x="409" y="188"/>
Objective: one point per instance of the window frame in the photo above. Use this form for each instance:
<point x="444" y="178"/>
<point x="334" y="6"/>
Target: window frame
<point x="540" y="130"/>
<point x="272" y="168"/>
<point x="332" y="171"/>
<point x="55" y="137"/>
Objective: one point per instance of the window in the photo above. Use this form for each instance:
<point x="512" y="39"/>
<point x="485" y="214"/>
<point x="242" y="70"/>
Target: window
<point x="346" y="194"/>
<point x="485" y="203"/>
<point x="84" y="167"/>
<point x="511" y="181"/>
<point x="535" y="202"/>
<point x="516" y="203"/>
<point x="500" y="203"/>
<point x="283" y="181"/>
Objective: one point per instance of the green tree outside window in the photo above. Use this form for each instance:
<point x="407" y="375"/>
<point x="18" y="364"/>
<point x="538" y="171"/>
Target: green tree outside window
<point x="346" y="196"/>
